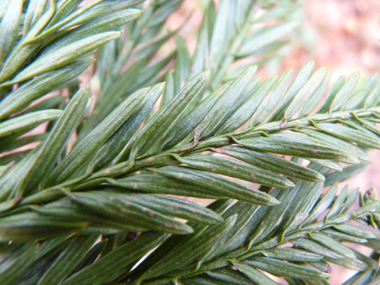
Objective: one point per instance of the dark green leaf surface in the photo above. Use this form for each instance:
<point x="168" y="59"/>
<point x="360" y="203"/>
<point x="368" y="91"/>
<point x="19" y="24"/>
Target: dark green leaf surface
<point x="120" y="208"/>
<point x="254" y="274"/>
<point x="56" y="140"/>
<point x="186" y="252"/>
<point x="68" y="259"/>
<point x="111" y="263"/>
<point x="28" y="121"/>
<point x="9" y="28"/>
<point x="233" y="168"/>
<point x="41" y="86"/>
<point x="96" y="138"/>
<point x="217" y="184"/>
<point x="317" y="248"/>
<point x="282" y="268"/>
<point x="293" y="144"/>
<point x="64" y="55"/>
<point x="28" y="226"/>
<point x="291" y="254"/>
<point x="168" y="117"/>
<point x="272" y="163"/>
<point x="94" y="197"/>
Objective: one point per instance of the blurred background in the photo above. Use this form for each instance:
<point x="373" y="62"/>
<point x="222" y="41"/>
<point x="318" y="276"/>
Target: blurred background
<point x="342" y="35"/>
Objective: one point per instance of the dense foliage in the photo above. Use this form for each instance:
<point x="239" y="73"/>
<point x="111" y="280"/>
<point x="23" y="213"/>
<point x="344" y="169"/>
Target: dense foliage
<point x="95" y="198"/>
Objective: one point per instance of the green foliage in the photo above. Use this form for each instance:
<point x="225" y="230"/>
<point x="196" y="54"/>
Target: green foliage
<point x="95" y="199"/>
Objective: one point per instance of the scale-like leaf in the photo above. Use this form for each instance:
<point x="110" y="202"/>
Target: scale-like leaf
<point x="32" y="226"/>
<point x="309" y="95"/>
<point x="271" y="100"/>
<point x="40" y="86"/>
<point x="163" y="185"/>
<point x="176" y="207"/>
<point x="67" y="260"/>
<point x="85" y="148"/>
<point x="273" y="216"/>
<point x="301" y="78"/>
<point x="191" y="120"/>
<point x="291" y="254"/>
<point x="28" y="121"/>
<point x="255" y="91"/>
<point x="23" y="141"/>
<point x="283" y="268"/>
<point x="188" y="251"/>
<point x="354" y="151"/>
<point x="322" y="205"/>
<point x="230" y="276"/>
<point x="350" y="134"/>
<point x="52" y="146"/>
<point x="233" y="168"/>
<point x="347" y="173"/>
<point x="121" y="137"/>
<point x="167" y="118"/>
<point x="317" y="248"/>
<point x="337" y="205"/>
<point x="183" y="64"/>
<point x="253" y="274"/>
<point x="293" y="144"/>
<point x="64" y="55"/>
<point x="106" y="23"/>
<point x="354" y="231"/>
<point x="341" y="96"/>
<point x="332" y="244"/>
<point x="228" y="103"/>
<point x="217" y="184"/>
<point x="9" y="28"/>
<point x="34" y="12"/>
<point x="350" y="263"/>
<point x="272" y="163"/>
<point x="247" y="217"/>
<point x="120" y="208"/>
<point x="343" y="237"/>
<point x="90" y="256"/>
<point x="264" y="37"/>
<point x="337" y="86"/>
<point x="105" y="267"/>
